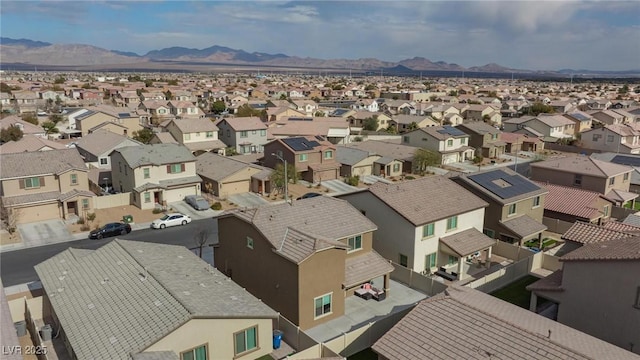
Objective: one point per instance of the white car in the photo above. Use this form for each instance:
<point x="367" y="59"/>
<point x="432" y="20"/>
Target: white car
<point x="172" y="219"/>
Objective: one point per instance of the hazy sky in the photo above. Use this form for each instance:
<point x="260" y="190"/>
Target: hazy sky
<point x="537" y="35"/>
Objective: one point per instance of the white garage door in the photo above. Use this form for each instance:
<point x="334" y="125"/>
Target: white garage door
<point x="179" y="194"/>
<point x="38" y="213"/>
<point x="236" y="187"/>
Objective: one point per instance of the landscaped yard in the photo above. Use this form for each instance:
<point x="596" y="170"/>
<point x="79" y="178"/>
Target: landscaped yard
<point x="636" y="206"/>
<point x="516" y="292"/>
<point x="547" y="243"/>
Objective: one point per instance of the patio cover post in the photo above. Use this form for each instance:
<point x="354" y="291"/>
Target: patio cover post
<point x="489" y="257"/>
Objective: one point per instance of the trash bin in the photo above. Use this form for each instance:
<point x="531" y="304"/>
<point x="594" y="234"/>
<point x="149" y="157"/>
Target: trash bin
<point x="128" y="219"/>
<point x="277" y="339"/>
<point x="21" y="328"/>
<point x="45" y="332"/>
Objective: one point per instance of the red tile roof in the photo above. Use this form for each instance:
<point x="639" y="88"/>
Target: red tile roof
<point x="572" y="201"/>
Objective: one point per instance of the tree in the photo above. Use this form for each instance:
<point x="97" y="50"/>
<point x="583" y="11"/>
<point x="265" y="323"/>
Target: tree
<point x="144" y="135"/>
<point x="319" y="114"/>
<point x="218" y="107"/>
<point x="5" y="88"/>
<point x="50" y="128"/>
<point x="283" y="96"/>
<point x="168" y="95"/>
<point x="55" y="118"/>
<point x="538" y="108"/>
<point x="246" y="110"/>
<point x="11" y="133"/>
<point x="371" y="123"/>
<point x="201" y="236"/>
<point x="30" y="118"/>
<point x="412" y="126"/>
<point x="277" y="176"/>
<point x="624" y="89"/>
<point x="453" y="93"/>
<point x="173" y="82"/>
<point x="59" y="80"/>
<point x="424" y="158"/>
<point x="148" y="83"/>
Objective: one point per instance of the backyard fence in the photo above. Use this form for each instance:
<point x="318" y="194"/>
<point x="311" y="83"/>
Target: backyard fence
<point x="510" y="251"/>
<point x="113" y="200"/>
<point x="556" y="225"/>
<point x="504" y="276"/>
<point x="416" y="281"/>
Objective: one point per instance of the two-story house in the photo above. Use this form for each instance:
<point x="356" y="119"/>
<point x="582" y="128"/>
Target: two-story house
<point x="489" y="113"/>
<point x="582" y="120"/>
<point x="247" y="135"/>
<point x="618" y="137"/>
<point x="45" y="185"/>
<point x="370" y="105"/>
<point x="485" y="138"/>
<point x="516" y="204"/>
<point x="155" y="174"/>
<point x="197" y="135"/>
<point x="550" y="126"/>
<point x="184" y="109"/>
<point x="404" y="123"/>
<point x="302" y="259"/>
<point x="451" y="143"/>
<point x="96" y="147"/>
<point x="608" y="117"/>
<point x="608" y="179"/>
<point x="313" y="157"/>
<point x="27" y="128"/>
<point x="25" y="101"/>
<point x="425" y="224"/>
<point x="159" y="111"/>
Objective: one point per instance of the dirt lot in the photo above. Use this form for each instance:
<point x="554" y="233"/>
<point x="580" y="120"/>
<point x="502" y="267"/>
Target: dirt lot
<point x="6" y="238"/>
<point x="115" y="214"/>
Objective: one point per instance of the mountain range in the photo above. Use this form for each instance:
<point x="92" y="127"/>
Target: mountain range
<point x="26" y="52"/>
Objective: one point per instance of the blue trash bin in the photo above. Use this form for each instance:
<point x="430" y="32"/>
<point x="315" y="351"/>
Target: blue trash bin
<point x="277" y="339"/>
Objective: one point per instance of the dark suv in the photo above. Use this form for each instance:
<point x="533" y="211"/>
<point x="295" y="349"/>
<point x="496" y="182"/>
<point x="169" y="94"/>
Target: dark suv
<point x="111" y="229"/>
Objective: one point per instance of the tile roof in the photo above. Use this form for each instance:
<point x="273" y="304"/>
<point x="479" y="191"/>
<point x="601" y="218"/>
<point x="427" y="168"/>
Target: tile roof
<point x="467" y="242"/>
<point x="155" y="154"/>
<point x="27" y="127"/>
<point x="554" y="120"/>
<point x="205" y="145"/>
<point x="101" y="141"/>
<point x="464" y="323"/>
<point x="524" y="225"/>
<point x="350" y="156"/>
<point x="632" y="219"/>
<point x="427" y="199"/>
<point x="92" y="293"/>
<point x="296" y="231"/>
<point x="165" y="138"/>
<point x="40" y="163"/>
<point x="618" y="249"/>
<point x="586" y="233"/>
<point x="362" y="268"/>
<point x="552" y="282"/>
<point x="571" y="201"/>
<point x="244" y="123"/>
<point x="516" y="187"/>
<point x="386" y="149"/>
<point x="217" y="167"/>
<point x="582" y="165"/>
<point x="319" y="126"/>
<point x="619" y="226"/>
<point x="30" y="143"/>
<point x="190" y="125"/>
<point x="156" y="355"/>
<point x="8" y="335"/>
<point x="479" y="127"/>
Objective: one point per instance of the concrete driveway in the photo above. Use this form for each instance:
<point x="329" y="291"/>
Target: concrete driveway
<point x="247" y="200"/>
<point x="43" y="233"/>
<point x="183" y="207"/>
<point x="338" y="186"/>
<point x="372" y="179"/>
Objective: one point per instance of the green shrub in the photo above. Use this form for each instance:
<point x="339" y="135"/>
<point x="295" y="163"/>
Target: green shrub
<point x="409" y="177"/>
<point x="157" y="210"/>
<point x="80" y="220"/>
<point x="216" y="206"/>
<point x="352" y="180"/>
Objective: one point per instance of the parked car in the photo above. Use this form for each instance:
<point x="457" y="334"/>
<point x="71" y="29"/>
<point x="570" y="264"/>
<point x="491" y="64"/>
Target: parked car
<point x="111" y="229"/>
<point x="172" y="219"/>
<point x="197" y="202"/>
<point x="308" y="195"/>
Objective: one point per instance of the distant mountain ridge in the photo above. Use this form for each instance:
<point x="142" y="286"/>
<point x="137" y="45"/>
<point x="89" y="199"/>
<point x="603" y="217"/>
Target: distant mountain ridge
<point x="30" y="52"/>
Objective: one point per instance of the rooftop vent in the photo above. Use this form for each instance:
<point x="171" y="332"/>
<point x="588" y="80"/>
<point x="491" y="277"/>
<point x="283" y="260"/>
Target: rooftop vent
<point x="186" y="293"/>
<point x="91" y="306"/>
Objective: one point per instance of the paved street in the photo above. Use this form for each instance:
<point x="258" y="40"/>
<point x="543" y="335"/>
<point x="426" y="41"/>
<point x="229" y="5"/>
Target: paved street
<point x="16" y="267"/>
<point x="247" y="200"/>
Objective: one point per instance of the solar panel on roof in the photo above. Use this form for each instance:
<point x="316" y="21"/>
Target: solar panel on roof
<point x="580" y="116"/>
<point x="516" y="184"/>
<point x="300" y="119"/>
<point x="626" y="160"/>
<point x="450" y="130"/>
<point x="123" y="115"/>
<point x="300" y="144"/>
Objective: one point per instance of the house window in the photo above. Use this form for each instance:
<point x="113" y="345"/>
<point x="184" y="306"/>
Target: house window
<point x="355" y="243"/>
<point x="452" y="260"/>
<point x="243" y="134"/>
<point x="302" y="157"/>
<point x="428" y="230"/>
<point x="612" y="181"/>
<point x="147" y="197"/>
<point x="228" y="133"/>
<point x="405" y="139"/>
<point x="404" y="260"/>
<point x="74" y="179"/>
<point x="430" y="261"/>
<point x="198" y="134"/>
<point x="450" y="142"/>
<point x="120" y="166"/>
<point x="490" y="233"/>
<point x="636" y="304"/>
<point x="396" y="167"/>
<point x="625" y="177"/>
<point x="175" y="168"/>
<point x="32" y="183"/>
<point x="452" y="223"/>
<point x="187" y="136"/>
<point x="512" y="209"/>
<point x="250" y="243"/>
<point x="209" y="134"/>
<point x="536" y="201"/>
<point x="577" y="180"/>
<point x="322" y="305"/>
<point x="197" y="353"/>
<point x="104" y="161"/>
<point x="328" y="154"/>
<point x="609" y="138"/>
<point x="145" y="171"/>
<point x="85" y="204"/>
<point x="463" y="141"/>
<point x="606" y="210"/>
<point x="263" y="132"/>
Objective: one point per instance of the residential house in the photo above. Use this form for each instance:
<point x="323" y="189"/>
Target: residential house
<point x="45" y="185"/>
<point x="562" y="106"/>
<point x="120" y="302"/>
<point x="582" y="233"/>
<point x="582" y="120"/>
<point x="388" y="150"/>
<point x="223" y="175"/>
<point x="197" y="135"/>
<point x="484" y="138"/>
<point x="8" y="331"/>
<point x="313" y="157"/>
<point x="356" y="162"/>
<point x="614" y="310"/>
<point x="25" y="101"/>
<point x="27" y="128"/>
<point x="335" y="130"/>
<point x="96" y="147"/>
<point x="247" y="135"/>
<point x="516" y="204"/>
<point x="5" y="101"/>
<point x="155" y="174"/>
<point x="301" y="259"/>
<point x="608" y="117"/>
<point x="623" y="159"/>
<point x="308" y="107"/>
<point x="357" y="119"/>
<point x="451" y="143"/>
<point x="128" y="98"/>
<point x="159" y="111"/>
<point x="425" y="224"/>
<point x="108" y="118"/>
<point x="611" y="180"/>
<point x="370" y="105"/>
<point x="405" y="123"/>
<point x="598" y="104"/>
<point x="395" y="107"/>
<point x="275" y="114"/>
<point x="487" y="112"/>
<point x="552" y="127"/>
<point x="184" y="109"/>
<point x="621" y="138"/>
<point x="152" y="96"/>
<point x="472" y="324"/>
<point x="30" y="143"/>
<point x="521" y="142"/>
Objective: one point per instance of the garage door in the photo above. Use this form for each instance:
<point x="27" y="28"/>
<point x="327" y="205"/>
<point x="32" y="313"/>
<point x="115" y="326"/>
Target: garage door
<point x="38" y="213"/>
<point x="178" y="194"/>
<point x="362" y="170"/>
<point x="236" y="187"/>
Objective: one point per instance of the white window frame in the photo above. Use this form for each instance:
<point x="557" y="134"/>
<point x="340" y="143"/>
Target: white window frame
<point x="34" y="183"/>
<point x="512" y="209"/>
<point x="353" y="247"/>
<point x="536" y="202"/>
<point x="303" y="157"/>
<point x="250" y="243"/>
<point x="450" y="220"/>
<point x="321" y="298"/>
<point x="424" y="230"/>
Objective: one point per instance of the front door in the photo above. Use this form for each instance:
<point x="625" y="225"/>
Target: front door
<point x="156" y="197"/>
<point x="72" y="208"/>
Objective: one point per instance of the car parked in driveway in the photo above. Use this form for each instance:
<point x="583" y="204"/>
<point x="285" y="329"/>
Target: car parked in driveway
<point x="309" y="195"/>
<point x="197" y="202"/>
<point x="110" y="229"/>
<point x="172" y="219"/>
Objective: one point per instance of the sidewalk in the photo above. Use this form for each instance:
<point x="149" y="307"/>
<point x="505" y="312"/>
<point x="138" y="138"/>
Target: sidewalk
<point x="73" y="237"/>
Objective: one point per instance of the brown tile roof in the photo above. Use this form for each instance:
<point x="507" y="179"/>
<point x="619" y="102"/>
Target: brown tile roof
<point x="552" y="282"/>
<point x="586" y="233"/>
<point x="360" y="269"/>
<point x="31" y="198"/>
<point x="386" y="149"/>
<point x="217" y="167"/>
<point x="205" y="145"/>
<point x="165" y="138"/>
<point x="618" y="226"/>
<point x="464" y="323"/>
<point x="582" y="165"/>
<point x="40" y="163"/>
<point x="467" y="242"/>
<point x="298" y="230"/>
<point x="427" y="199"/>
<point x="245" y="123"/>
<point x="524" y="225"/>
<point x="618" y="249"/>
<point x="30" y="143"/>
<point x="571" y="201"/>
<point x="101" y="141"/>
<point x="27" y="127"/>
<point x="191" y="125"/>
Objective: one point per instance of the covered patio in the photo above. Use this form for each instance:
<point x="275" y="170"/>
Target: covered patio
<point x="464" y="245"/>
